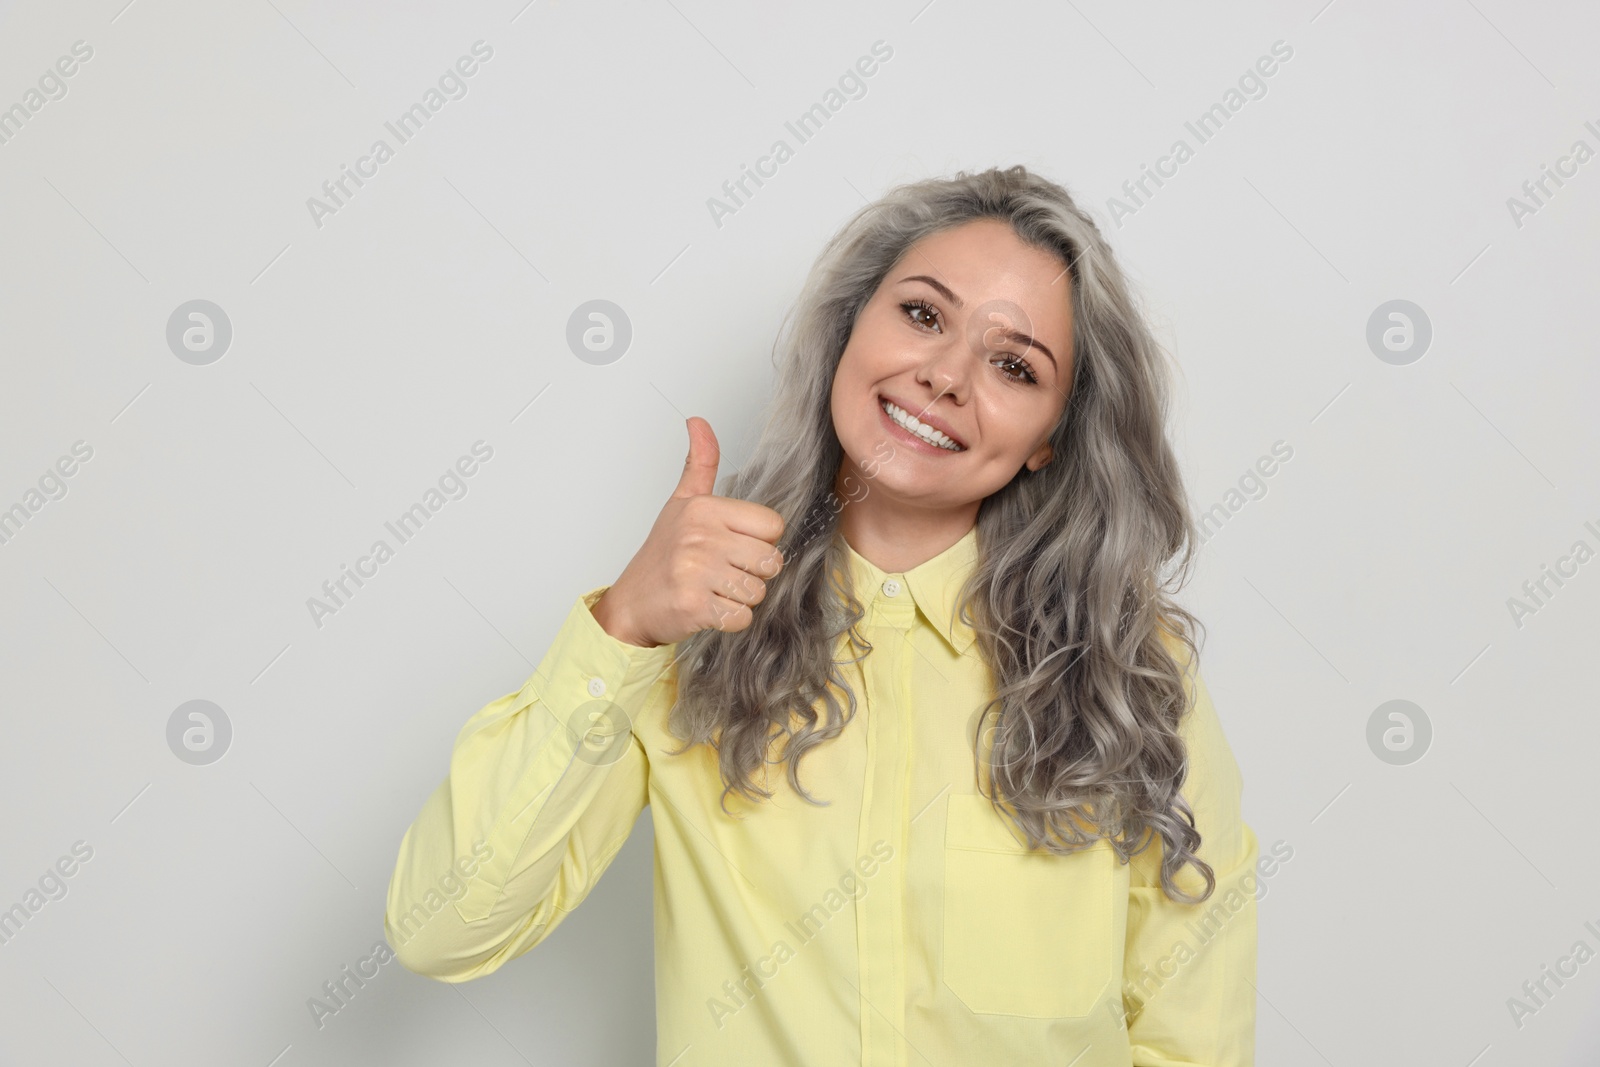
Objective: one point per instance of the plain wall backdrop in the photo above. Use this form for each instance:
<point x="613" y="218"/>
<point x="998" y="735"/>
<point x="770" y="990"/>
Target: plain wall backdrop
<point x="347" y="356"/>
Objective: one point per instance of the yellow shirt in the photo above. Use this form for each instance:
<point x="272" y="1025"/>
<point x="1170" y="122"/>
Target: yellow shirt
<point x="904" y="924"/>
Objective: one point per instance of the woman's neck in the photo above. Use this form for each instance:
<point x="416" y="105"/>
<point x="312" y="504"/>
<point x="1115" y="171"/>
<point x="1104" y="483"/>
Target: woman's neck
<point x="892" y="535"/>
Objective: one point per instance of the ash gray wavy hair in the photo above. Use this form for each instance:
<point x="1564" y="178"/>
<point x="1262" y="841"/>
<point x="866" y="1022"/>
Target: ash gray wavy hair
<point x="1066" y="597"/>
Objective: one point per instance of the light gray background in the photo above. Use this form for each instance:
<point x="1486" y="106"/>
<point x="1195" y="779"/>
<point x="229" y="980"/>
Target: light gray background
<point x="431" y="310"/>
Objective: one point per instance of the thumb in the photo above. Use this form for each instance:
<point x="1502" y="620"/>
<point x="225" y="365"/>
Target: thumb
<point x="700" y="469"/>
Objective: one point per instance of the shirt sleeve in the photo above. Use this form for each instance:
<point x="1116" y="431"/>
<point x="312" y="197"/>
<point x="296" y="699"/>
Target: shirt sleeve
<point x="544" y="787"/>
<point x="1190" y="969"/>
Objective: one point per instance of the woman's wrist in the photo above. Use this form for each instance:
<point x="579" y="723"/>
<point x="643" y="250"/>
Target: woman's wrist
<point x="615" y="622"/>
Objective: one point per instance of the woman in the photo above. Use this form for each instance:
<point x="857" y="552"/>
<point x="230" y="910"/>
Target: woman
<point x="1016" y="834"/>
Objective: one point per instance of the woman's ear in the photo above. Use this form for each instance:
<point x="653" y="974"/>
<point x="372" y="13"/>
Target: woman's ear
<point x="1044" y="455"/>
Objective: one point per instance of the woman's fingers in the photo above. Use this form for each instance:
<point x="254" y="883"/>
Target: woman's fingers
<point x="758" y="557"/>
<point x="728" y="614"/>
<point x="740" y="585"/>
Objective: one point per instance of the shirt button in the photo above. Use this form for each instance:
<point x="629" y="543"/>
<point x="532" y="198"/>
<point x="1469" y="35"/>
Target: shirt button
<point x="597" y="687"/>
<point x="891" y="588"/>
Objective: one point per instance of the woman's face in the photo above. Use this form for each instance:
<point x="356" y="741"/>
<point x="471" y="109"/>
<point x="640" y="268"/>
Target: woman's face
<point x="945" y="339"/>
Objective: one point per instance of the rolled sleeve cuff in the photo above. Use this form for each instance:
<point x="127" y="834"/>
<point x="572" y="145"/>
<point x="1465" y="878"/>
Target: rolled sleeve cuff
<point x="584" y="680"/>
<point x="585" y="663"/>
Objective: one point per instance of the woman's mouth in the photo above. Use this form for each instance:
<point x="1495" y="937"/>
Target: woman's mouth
<point x="917" y="431"/>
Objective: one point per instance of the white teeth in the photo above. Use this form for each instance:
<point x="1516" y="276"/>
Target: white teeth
<point x="910" y="423"/>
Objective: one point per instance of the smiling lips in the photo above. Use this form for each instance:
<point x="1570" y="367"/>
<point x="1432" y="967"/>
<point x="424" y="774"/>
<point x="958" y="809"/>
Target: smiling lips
<point x="918" y="428"/>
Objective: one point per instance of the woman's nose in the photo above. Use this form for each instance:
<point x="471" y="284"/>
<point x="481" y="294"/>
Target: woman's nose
<point x="948" y="367"/>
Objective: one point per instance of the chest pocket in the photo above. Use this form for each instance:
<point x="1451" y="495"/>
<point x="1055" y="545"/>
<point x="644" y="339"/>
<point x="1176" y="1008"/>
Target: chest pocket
<point x="1025" y="932"/>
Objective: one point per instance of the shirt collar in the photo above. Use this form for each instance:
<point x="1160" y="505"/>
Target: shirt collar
<point x="934" y="584"/>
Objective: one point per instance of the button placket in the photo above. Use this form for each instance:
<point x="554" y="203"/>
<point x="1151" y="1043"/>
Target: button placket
<point x="880" y="918"/>
<point x="892" y="602"/>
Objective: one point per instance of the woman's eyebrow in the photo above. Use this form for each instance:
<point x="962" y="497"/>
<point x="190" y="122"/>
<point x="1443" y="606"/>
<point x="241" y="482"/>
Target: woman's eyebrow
<point x="944" y="290"/>
<point x="1011" y="335"/>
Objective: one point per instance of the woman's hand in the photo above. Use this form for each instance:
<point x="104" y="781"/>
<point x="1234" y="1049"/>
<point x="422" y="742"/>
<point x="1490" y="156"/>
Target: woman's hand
<point x="704" y="563"/>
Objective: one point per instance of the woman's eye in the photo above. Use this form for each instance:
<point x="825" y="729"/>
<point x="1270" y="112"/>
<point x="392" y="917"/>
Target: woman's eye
<point x="911" y="307"/>
<point x="1015" y="368"/>
<point x="1018" y="363"/>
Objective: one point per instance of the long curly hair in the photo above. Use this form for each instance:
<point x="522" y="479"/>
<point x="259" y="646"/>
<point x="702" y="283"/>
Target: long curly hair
<point x="1073" y="614"/>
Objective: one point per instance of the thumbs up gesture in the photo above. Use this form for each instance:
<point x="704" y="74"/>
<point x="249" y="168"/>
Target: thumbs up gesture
<point x="704" y="563"/>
